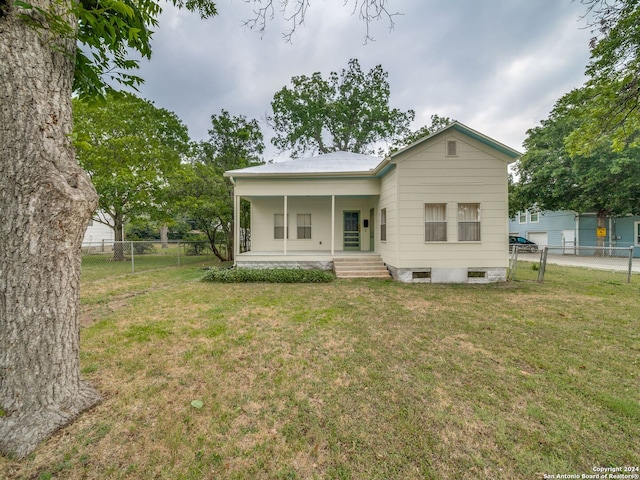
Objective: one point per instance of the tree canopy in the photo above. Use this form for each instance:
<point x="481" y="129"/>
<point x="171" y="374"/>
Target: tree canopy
<point x="128" y="147"/>
<point x="348" y="111"/>
<point x="607" y="105"/>
<point x="199" y="190"/>
<point x="604" y="181"/>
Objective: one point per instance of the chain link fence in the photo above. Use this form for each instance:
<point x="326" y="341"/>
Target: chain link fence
<point x="613" y="259"/>
<point x="108" y="257"/>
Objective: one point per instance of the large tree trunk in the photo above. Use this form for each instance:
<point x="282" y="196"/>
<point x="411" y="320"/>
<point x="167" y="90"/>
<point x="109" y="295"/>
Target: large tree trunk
<point x="164" y="235"/>
<point x="118" y="245"/>
<point x="46" y="202"/>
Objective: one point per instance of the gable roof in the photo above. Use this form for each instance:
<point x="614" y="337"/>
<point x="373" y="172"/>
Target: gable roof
<point x="346" y="163"/>
<point x="470" y="132"/>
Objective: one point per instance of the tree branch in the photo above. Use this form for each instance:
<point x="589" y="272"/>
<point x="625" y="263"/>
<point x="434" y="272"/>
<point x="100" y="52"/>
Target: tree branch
<point x="294" y="13"/>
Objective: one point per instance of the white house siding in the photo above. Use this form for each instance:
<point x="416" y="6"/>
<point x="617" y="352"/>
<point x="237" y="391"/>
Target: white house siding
<point x="247" y="187"/>
<point x="97" y="233"/>
<point x="263" y="210"/>
<point x="475" y="175"/>
<point x="389" y="200"/>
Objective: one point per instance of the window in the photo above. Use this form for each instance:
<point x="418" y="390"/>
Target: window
<point x="534" y="217"/>
<point x="452" y="148"/>
<point x="522" y="217"/>
<point x="304" y="225"/>
<point x="383" y="224"/>
<point x="278" y="226"/>
<point x="435" y="222"/>
<point x="469" y="222"/>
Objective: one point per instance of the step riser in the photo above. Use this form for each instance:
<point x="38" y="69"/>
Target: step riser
<point x="363" y="267"/>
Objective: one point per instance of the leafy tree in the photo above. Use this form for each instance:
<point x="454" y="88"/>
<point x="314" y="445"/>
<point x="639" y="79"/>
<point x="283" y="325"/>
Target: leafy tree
<point x="607" y="106"/>
<point x="200" y="191"/>
<point x="46" y="199"/>
<point x="551" y="178"/>
<point x="348" y="111"/>
<point x="128" y="147"/>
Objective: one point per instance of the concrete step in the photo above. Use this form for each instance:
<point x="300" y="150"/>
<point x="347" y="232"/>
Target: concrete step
<point x="368" y="266"/>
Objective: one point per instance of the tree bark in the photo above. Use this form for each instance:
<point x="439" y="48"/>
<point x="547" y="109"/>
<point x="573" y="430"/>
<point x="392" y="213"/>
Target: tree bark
<point x="164" y="235"/>
<point x="118" y="245"/>
<point x="46" y="201"/>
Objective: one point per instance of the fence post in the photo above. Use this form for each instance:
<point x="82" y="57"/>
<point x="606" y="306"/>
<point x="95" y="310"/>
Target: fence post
<point x="543" y="264"/>
<point x="630" y="264"/>
<point x="178" y="252"/>
<point x="514" y="262"/>
<point x="133" y="268"/>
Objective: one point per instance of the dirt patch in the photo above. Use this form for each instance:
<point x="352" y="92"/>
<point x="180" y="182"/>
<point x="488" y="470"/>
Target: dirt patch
<point x="89" y="314"/>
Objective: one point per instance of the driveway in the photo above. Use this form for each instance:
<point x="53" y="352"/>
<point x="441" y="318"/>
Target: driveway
<point x="595" y="262"/>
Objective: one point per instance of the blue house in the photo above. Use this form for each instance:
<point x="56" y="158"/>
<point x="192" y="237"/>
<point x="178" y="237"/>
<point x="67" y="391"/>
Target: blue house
<point x="567" y="229"/>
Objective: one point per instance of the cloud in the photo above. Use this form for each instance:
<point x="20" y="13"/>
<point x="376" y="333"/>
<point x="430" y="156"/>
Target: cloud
<point x="497" y="66"/>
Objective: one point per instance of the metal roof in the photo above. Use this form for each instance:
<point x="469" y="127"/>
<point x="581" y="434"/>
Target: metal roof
<point x="336" y="162"/>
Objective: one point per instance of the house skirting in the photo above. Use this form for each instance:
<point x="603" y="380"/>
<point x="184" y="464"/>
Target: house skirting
<point x="449" y="275"/>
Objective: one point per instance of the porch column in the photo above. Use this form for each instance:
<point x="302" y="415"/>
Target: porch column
<point x="333" y="224"/>
<point x="236" y="227"/>
<point x="286" y="225"/>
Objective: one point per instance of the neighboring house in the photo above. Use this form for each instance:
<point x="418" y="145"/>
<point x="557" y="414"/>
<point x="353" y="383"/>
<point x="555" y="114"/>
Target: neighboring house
<point x="435" y="211"/>
<point x="545" y="228"/>
<point x="98" y="234"/>
<point x="569" y="229"/>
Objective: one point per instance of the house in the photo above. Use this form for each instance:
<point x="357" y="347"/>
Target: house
<point x="545" y="228"/>
<point x="98" y="236"/>
<point x="434" y="211"/>
<point x="568" y="229"/>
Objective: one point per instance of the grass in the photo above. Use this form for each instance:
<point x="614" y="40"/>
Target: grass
<point x="100" y="265"/>
<point x="353" y="379"/>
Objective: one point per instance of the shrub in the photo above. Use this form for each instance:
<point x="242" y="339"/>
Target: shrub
<point x="140" y="248"/>
<point x="275" y="275"/>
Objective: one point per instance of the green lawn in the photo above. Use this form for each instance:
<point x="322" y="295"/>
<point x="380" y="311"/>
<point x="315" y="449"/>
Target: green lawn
<point x="353" y="379"/>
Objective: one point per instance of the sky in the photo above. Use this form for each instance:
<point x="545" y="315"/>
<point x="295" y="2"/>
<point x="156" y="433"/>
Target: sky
<point x="498" y="66"/>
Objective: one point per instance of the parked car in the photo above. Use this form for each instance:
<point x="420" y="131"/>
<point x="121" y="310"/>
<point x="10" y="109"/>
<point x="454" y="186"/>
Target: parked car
<point x="523" y="244"/>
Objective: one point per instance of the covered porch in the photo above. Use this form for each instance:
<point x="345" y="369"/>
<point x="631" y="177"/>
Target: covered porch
<point x="302" y="229"/>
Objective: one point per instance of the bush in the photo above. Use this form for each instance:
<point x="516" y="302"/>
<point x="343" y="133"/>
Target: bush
<point x="276" y="275"/>
<point x="140" y="248"/>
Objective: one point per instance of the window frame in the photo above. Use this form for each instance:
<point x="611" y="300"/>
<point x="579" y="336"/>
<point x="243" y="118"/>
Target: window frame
<point x="304" y="226"/>
<point x="462" y="223"/>
<point x="383" y="224"/>
<point x="437" y="224"/>
<point x="284" y="226"/>
<point x="522" y="217"/>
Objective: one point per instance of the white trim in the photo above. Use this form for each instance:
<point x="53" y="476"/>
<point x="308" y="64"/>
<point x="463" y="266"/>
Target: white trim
<point x="333" y="224"/>
<point x="286" y="223"/>
<point x="236" y="227"/>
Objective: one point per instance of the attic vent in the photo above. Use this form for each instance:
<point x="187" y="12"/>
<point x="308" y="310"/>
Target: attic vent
<point x="452" y="148"/>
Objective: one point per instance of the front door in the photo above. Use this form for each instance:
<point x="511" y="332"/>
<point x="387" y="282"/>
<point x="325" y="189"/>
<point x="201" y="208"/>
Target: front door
<point x="372" y="231"/>
<point x="351" y="231"/>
